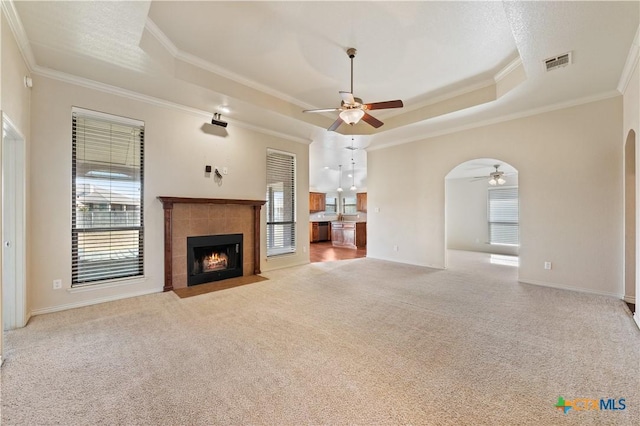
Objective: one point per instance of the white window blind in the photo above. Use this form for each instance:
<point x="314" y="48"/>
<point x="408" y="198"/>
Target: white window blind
<point x="281" y="203"/>
<point x="107" y="228"/>
<point x="503" y="216"/>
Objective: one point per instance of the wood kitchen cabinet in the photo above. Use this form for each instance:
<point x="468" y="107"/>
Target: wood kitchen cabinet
<point x="349" y="234"/>
<point x="319" y="231"/>
<point x="361" y="234"/>
<point x="314" y="232"/>
<point x="361" y="202"/>
<point x="317" y="202"/>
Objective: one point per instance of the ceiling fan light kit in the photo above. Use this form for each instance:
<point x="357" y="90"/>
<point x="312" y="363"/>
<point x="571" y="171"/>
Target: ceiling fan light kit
<point x="351" y="116"/>
<point x="352" y="109"/>
<point x="495" y="178"/>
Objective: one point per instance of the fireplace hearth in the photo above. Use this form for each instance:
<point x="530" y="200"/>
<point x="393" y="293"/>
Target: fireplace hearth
<point x="213" y="258"/>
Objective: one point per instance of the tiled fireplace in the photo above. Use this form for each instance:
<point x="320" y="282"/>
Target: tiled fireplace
<point x="199" y="218"/>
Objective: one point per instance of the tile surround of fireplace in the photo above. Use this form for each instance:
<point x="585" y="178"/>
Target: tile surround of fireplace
<point x="193" y="217"/>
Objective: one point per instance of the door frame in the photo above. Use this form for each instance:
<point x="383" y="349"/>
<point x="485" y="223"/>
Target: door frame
<point x="14" y="292"/>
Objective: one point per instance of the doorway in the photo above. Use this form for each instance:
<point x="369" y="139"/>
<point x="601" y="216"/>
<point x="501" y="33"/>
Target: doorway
<point x="482" y="213"/>
<point x="630" y="220"/>
<point x="13" y="227"/>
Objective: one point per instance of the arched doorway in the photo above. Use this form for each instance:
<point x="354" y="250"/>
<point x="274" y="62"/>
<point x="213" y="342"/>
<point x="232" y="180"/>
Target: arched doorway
<point x="630" y="217"/>
<point x="482" y="211"/>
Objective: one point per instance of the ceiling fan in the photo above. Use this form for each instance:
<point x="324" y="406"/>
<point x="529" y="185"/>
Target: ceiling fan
<point x="352" y="109"/>
<point x="495" y="178"/>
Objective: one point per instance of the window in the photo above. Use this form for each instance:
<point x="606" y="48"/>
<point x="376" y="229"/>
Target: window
<point x="107" y="229"/>
<point x="503" y="216"/>
<point x="281" y="203"/>
<point x="331" y="205"/>
<point x="349" y="205"/>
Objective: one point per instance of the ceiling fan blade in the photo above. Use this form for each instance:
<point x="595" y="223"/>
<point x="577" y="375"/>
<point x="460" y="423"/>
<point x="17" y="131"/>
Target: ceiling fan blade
<point x="347" y="98"/>
<point x="322" y="110"/>
<point x="335" y="125"/>
<point x="383" y="105"/>
<point x="370" y="119"/>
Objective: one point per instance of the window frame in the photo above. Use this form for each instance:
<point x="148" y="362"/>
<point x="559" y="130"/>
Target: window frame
<point x="288" y="244"/>
<point x="491" y="223"/>
<point x="115" y="221"/>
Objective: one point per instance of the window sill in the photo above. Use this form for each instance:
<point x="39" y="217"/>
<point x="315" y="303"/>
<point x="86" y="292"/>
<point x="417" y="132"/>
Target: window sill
<point x="107" y="284"/>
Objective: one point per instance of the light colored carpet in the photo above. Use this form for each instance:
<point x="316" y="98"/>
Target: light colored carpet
<point x="351" y="342"/>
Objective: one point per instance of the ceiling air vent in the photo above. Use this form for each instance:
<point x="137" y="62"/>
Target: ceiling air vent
<point x="558" y="61"/>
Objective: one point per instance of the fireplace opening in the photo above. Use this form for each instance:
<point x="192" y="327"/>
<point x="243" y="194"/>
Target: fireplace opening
<point x="213" y="258"/>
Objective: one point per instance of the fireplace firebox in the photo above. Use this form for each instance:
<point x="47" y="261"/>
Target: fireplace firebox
<point x="213" y="258"/>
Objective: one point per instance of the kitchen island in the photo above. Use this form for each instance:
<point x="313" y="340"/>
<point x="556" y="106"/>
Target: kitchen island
<point x="349" y="234"/>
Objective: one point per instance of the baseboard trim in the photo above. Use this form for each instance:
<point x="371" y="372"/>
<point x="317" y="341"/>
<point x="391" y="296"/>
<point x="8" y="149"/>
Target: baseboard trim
<point x="578" y="289"/>
<point x="84" y="303"/>
<point x="630" y="299"/>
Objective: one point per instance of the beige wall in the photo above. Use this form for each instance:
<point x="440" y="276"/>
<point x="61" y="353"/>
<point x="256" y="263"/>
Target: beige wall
<point x="569" y="165"/>
<point x="177" y="148"/>
<point x="631" y="127"/>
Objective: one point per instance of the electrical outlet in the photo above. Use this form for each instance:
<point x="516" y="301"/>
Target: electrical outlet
<point x="57" y="284"/>
<point x="547" y="265"/>
<point x="225" y="171"/>
<point x="395" y="248"/>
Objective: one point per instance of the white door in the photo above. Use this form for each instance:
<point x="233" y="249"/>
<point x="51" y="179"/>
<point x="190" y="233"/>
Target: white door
<point x="13" y="233"/>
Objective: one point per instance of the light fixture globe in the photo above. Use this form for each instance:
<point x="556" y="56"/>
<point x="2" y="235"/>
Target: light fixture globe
<point x="352" y="115"/>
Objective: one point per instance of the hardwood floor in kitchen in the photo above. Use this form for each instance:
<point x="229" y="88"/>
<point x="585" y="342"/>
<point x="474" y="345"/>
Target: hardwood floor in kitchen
<point x="325" y="252"/>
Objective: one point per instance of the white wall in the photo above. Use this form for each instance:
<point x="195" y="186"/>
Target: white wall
<point x="466" y="221"/>
<point x="570" y="183"/>
<point x="177" y="148"/>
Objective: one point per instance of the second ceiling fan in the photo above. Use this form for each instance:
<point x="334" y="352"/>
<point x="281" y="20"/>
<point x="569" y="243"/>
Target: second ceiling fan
<point x="352" y="109"/>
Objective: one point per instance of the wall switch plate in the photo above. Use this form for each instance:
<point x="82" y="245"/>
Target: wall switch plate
<point x="395" y="248"/>
<point x="547" y="265"/>
<point x="57" y="284"/>
<point x="225" y="171"/>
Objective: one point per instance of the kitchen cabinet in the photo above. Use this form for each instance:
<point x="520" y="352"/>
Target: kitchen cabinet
<point x="361" y="202"/>
<point x="317" y="202"/>
<point x="319" y="231"/>
<point x="361" y="234"/>
<point x="349" y="234"/>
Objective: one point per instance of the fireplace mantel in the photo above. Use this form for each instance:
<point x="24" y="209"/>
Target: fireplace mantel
<point x="168" y="204"/>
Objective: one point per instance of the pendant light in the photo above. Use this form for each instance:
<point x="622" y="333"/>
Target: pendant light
<point x="340" y="178"/>
<point x="353" y="176"/>
<point x="353" y="165"/>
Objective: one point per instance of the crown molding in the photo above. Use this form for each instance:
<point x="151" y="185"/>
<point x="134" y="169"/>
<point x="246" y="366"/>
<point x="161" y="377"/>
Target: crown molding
<point x="630" y="65"/>
<point x="130" y="94"/>
<point x="510" y="117"/>
<point x="196" y="61"/>
<point x="504" y="72"/>
<point x="15" y="24"/>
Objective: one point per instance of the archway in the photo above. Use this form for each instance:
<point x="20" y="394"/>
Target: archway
<point x="630" y="217"/>
<point x="482" y="210"/>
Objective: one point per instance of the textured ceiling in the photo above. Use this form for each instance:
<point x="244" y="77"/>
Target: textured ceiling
<point x="454" y="64"/>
